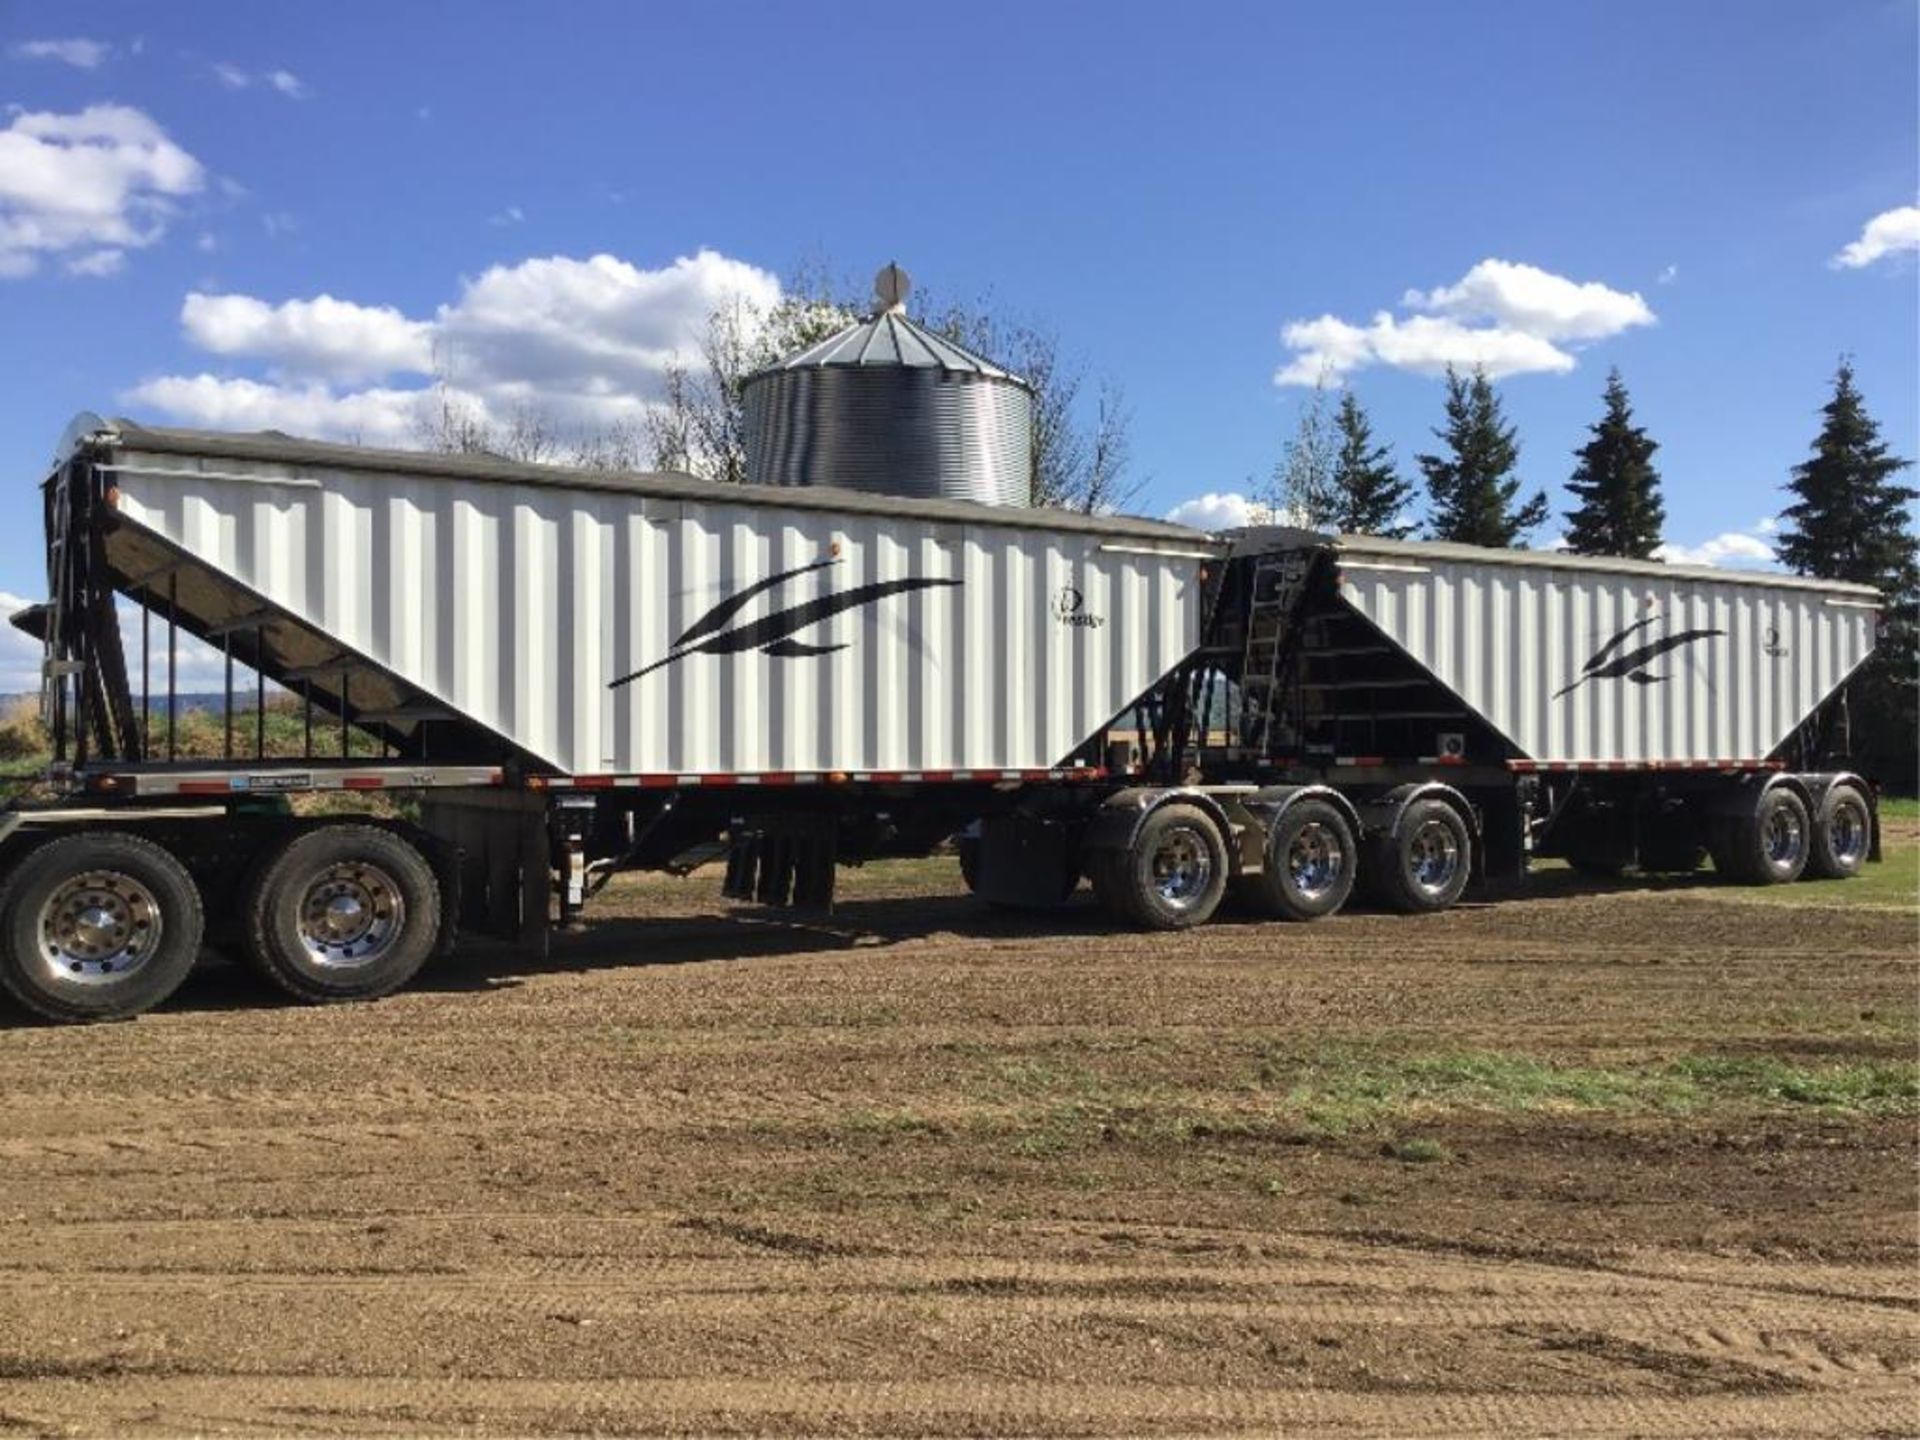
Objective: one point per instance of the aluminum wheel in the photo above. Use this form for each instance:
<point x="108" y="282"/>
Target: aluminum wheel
<point x="1316" y="860"/>
<point x="1182" y="867"/>
<point x="1847" y="837"/>
<point x="1433" y="856"/>
<point x="351" y="915"/>
<point x="98" y="928"/>
<point x="1784" y="836"/>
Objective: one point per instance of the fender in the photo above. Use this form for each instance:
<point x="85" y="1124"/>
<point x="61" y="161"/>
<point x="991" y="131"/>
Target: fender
<point x="1741" y="798"/>
<point x="1384" y="814"/>
<point x="1120" y="816"/>
<point x="1265" y="808"/>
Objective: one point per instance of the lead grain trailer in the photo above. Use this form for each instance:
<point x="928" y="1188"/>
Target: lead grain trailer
<point x="565" y="674"/>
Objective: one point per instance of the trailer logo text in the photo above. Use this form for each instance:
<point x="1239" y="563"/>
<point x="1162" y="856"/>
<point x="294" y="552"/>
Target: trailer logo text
<point x="1632" y="664"/>
<point x="1070" y="608"/>
<point x="774" y="633"/>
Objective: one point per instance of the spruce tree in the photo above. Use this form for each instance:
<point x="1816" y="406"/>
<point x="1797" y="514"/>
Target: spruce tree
<point x="1850" y="521"/>
<point x="1473" y="486"/>
<point x="1368" y="494"/>
<point x="1618" y="489"/>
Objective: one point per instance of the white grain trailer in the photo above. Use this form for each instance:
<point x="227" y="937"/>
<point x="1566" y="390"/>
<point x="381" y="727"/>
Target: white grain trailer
<point x="574" y="673"/>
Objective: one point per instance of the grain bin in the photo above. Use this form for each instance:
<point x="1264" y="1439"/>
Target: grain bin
<point x="888" y="407"/>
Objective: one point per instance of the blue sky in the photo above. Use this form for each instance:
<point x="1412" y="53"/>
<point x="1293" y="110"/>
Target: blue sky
<point x="1554" y="188"/>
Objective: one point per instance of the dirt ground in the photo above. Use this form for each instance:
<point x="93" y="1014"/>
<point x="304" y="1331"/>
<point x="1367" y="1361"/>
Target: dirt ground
<point x="1638" y="1162"/>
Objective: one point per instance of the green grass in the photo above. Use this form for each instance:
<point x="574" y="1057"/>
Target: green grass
<point x="1893" y="884"/>
<point x="1899" y="807"/>
<point x="1418" y="1151"/>
<point x="1339" y="1090"/>
<point x="1039" y="1111"/>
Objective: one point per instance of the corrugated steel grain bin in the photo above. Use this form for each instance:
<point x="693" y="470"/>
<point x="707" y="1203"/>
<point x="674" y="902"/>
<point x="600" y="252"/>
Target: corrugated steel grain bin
<point x="1579" y="659"/>
<point x="660" y="625"/>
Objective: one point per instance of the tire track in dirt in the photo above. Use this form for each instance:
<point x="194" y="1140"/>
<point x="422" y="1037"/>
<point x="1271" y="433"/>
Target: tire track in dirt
<point x="818" y="1192"/>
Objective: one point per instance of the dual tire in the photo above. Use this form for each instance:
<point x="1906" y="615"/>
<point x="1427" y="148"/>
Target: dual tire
<point x="342" y="912"/>
<point x="1172" y="876"/>
<point x="103" y="925"/>
<point x="1310" y="864"/>
<point x="1781" y="840"/>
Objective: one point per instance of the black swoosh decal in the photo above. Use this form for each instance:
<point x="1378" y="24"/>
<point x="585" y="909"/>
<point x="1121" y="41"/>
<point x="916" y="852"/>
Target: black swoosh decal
<point x="798" y="649"/>
<point x="720" y="614"/>
<point x="1631" y="665"/>
<point x="1600" y="655"/>
<point x="773" y="633"/>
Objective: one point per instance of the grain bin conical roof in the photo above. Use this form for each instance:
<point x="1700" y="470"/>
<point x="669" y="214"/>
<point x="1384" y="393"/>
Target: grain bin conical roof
<point x="888" y="406"/>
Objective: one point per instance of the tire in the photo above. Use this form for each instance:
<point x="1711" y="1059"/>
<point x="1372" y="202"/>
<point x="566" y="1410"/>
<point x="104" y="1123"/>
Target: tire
<point x="1309" y="867"/>
<point x="1768" y="847"/>
<point x="1842" y="834"/>
<point x="1173" y="875"/>
<point x="1426" y="865"/>
<point x="97" y="926"/>
<point x="342" y="912"/>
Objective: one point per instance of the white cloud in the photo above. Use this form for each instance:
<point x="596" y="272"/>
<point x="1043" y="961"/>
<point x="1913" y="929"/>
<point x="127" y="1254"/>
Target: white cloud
<point x="284" y="82"/>
<point x="106" y="177"/>
<point x="324" y="337"/>
<point x="98" y="263"/>
<point x="512" y="215"/>
<point x="1737" y="549"/>
<point x="1507" y="318"/>
<point x="1223" y="510"/>
<point x="586" y="343"/>
<point x="1424" y="344"/>
<point x="1534" y="302"/>
<point x="1668" y="275"/>
<point x="375" y="416"/>
<point x="20" y="653"/>
<point x="81" y="54"/>
<point x="1892" y="232"/>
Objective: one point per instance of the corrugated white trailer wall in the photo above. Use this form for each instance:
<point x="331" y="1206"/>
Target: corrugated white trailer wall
<point x="1583" y="660"/>
<point x="523" y="606"/>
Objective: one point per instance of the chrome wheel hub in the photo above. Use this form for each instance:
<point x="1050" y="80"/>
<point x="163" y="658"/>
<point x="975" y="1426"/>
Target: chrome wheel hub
<point x="1315" y="860"/>
<point x="1182" y="867"/>
<point x="1433" y="856"/>
<point x="101" y="926"/>
<point x="1783" y="836"/>
<point x="1847" y="833"/>
<point x="351" y="915"/>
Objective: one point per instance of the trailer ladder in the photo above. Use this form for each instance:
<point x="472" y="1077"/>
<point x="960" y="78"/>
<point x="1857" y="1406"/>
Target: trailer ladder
<point x="1279" y="580"/>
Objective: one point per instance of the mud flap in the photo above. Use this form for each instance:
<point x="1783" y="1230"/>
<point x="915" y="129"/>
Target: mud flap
<point x="505" y="868"/>
<point x="783" y="860"/>
<point x="1027" y="861"/>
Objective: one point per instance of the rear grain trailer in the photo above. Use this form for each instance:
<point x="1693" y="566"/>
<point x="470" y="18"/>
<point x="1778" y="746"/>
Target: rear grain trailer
<point x="567" y="674"/>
